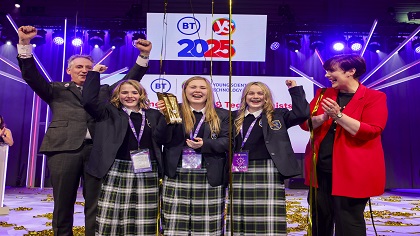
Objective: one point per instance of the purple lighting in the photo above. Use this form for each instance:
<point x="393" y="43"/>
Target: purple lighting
<point x="338" y="46"/>
<point x="275" y="46"/>
<point x="58" y="40"/>
<point x="77" y="42"/>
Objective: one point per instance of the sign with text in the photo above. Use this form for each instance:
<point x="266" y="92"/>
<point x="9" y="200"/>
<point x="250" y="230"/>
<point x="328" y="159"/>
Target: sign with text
<point x="277" y="85"/>
<point x="199" y="37"/>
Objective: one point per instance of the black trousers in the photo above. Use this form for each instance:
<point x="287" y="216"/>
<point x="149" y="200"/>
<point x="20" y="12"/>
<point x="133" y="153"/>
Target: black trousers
<point x="345" y="212"/>
<point x="66" y="169"/>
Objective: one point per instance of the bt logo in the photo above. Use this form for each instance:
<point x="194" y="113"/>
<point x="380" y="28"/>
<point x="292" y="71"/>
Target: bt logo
<point x="160" y="85"/>
<point x="221" y="48"/>
<point x="188" y="25"/>
<point x="221" y="26"/>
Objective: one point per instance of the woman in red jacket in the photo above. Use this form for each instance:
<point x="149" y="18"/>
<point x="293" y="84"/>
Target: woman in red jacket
<point x="347" y="121"/>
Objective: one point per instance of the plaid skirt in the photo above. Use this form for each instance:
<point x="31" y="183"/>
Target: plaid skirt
<point x="128" y="204"/>
<point x="191" y="206"/>
<point x="259" y="201"/>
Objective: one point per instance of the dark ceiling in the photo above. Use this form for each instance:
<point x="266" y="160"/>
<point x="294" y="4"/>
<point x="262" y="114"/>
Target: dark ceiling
<point x="285" y="16"/>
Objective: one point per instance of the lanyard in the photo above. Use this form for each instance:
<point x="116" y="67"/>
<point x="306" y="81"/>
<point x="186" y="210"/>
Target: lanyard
<point x="248" y="132"/>
<point x="192" y="137"/>
<point x="143" y="122"/>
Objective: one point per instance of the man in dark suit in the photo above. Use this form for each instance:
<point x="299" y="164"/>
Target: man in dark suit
<point x="68" y="141"/>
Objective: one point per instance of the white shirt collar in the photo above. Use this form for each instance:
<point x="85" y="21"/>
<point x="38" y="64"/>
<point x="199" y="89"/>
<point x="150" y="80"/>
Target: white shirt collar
<point x="202" y="110"/>
<point x="129" y="111"/>
<point x="255" y="114"/>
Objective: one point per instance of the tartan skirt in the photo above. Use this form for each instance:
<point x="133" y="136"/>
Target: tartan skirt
<point x="128" y="204"/>
<point x="191" y="206"/>
<point x="259" y="201"/>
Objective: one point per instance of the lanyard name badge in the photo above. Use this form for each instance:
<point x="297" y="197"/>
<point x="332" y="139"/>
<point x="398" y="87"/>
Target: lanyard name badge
<point x="241" y="159"/>
<point x="190" y="158"/>
<point x="140" y="157"/>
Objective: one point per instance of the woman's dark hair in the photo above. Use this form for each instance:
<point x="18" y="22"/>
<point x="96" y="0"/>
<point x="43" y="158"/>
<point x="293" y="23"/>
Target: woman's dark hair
<point x="2" y="124"/>
<point x="346" y="62"/>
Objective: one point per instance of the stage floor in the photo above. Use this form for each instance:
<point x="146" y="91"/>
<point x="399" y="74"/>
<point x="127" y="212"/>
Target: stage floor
<point x="396" y="212"/>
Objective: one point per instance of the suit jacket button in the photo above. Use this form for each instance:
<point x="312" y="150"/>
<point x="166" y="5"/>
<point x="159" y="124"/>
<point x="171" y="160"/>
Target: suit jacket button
<point x="273" y="154"/>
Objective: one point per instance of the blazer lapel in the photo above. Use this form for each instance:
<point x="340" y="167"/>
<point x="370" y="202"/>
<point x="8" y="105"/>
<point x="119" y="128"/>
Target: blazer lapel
<point x="356" y="101"/>
<point x="264" y="122"/>
<point x="75" y="90"/>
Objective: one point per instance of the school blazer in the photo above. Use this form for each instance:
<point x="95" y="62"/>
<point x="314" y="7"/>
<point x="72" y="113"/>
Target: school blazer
<point x="214" y="148"/>
<point x="70" y="121"/>
<point x="111" y="128"/>
<point x="277" y="139"/>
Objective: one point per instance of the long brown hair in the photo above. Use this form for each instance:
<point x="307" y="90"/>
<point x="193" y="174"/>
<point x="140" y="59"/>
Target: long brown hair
<point x="211" y="116"/>
<point x="143" y="100"/>
<point x="268" y="107"/>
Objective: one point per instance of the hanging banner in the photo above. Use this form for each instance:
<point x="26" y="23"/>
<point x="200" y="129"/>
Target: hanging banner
<point x="199" y="37"/>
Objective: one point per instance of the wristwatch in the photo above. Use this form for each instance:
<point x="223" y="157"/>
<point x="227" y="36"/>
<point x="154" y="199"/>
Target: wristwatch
<point x="339" y="115"/>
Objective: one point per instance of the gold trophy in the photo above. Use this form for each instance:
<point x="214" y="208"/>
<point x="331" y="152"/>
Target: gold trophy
<point x="172" y="114"/>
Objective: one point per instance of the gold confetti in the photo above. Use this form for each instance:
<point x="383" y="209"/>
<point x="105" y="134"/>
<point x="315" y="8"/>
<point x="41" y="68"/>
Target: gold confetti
<point x="19" y="228"/>
<point x="5" y="224"/>
<point x="22" y="209"/>
<point x="47" y="215"/>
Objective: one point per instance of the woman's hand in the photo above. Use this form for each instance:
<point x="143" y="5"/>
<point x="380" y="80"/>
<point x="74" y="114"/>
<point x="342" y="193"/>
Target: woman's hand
<point x="198" y="143"/>
<point x="291" y="83"/>
<point x="330" y="107"/>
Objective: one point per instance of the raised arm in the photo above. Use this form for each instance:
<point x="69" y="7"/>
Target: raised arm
<point x="300" y="107"/>
<point x="27" y="64"/>
<point x="90" y="95"/>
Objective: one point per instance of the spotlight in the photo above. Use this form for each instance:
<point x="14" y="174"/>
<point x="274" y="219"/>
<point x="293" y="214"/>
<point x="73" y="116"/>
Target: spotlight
<point x="39" y="39"/>
<point x="339" y="43"/>
<point x="117" y="38"/>
<point x="141" y="35"/>
<point x="273" y="40"/>
<point x="293" y="43"/>
<point x="8" y="36"/>
<point x="375" y="45"/>
<point x="18" y="3"/>
<point x="394" y="42"/>
<point x="416" y="45"/>
<point x="96" y="38"/>
<point x="57" y="37"/>
<point x="77" y="40"/>
<point x="355" y="43"/>
<point x="316" y="42"/>
<point x="274" y="46"/>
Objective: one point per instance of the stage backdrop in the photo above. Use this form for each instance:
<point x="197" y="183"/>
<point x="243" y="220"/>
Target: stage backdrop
<point x="199" y="37"/>
<point x="281" y="96"/>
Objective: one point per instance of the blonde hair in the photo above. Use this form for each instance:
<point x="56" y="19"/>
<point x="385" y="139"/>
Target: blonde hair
<point x="268" y="107"/>
<point x="143" y="100"/>
<point x="211" y="116"/>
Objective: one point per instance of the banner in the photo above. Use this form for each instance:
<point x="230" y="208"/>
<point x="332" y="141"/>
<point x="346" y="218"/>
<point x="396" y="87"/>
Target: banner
<point x="277" y="85"/>
<point x="200" y="37"/>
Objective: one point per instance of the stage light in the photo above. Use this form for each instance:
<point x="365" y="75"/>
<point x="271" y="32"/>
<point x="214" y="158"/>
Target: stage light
<point x="96" y="38"/>
<point x="39" y="39"/>
<point x="316" y="42"/>
<point x="394" y="42"/>
<point x="355" y="43"/>
<point x="274" y="46"/>
<point x="57" y="37"/>
<point x="18" y="3"/>
<point x="273" y="40"/>
<point x="293" y="43"/>
<point x="140" y="35"/>
<point x="375" y="45"/>
<point x="8" y="38"/>
<point x="117" y="38"/>
<point x="416" y="45"/>
<point x="77" y="40"/>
